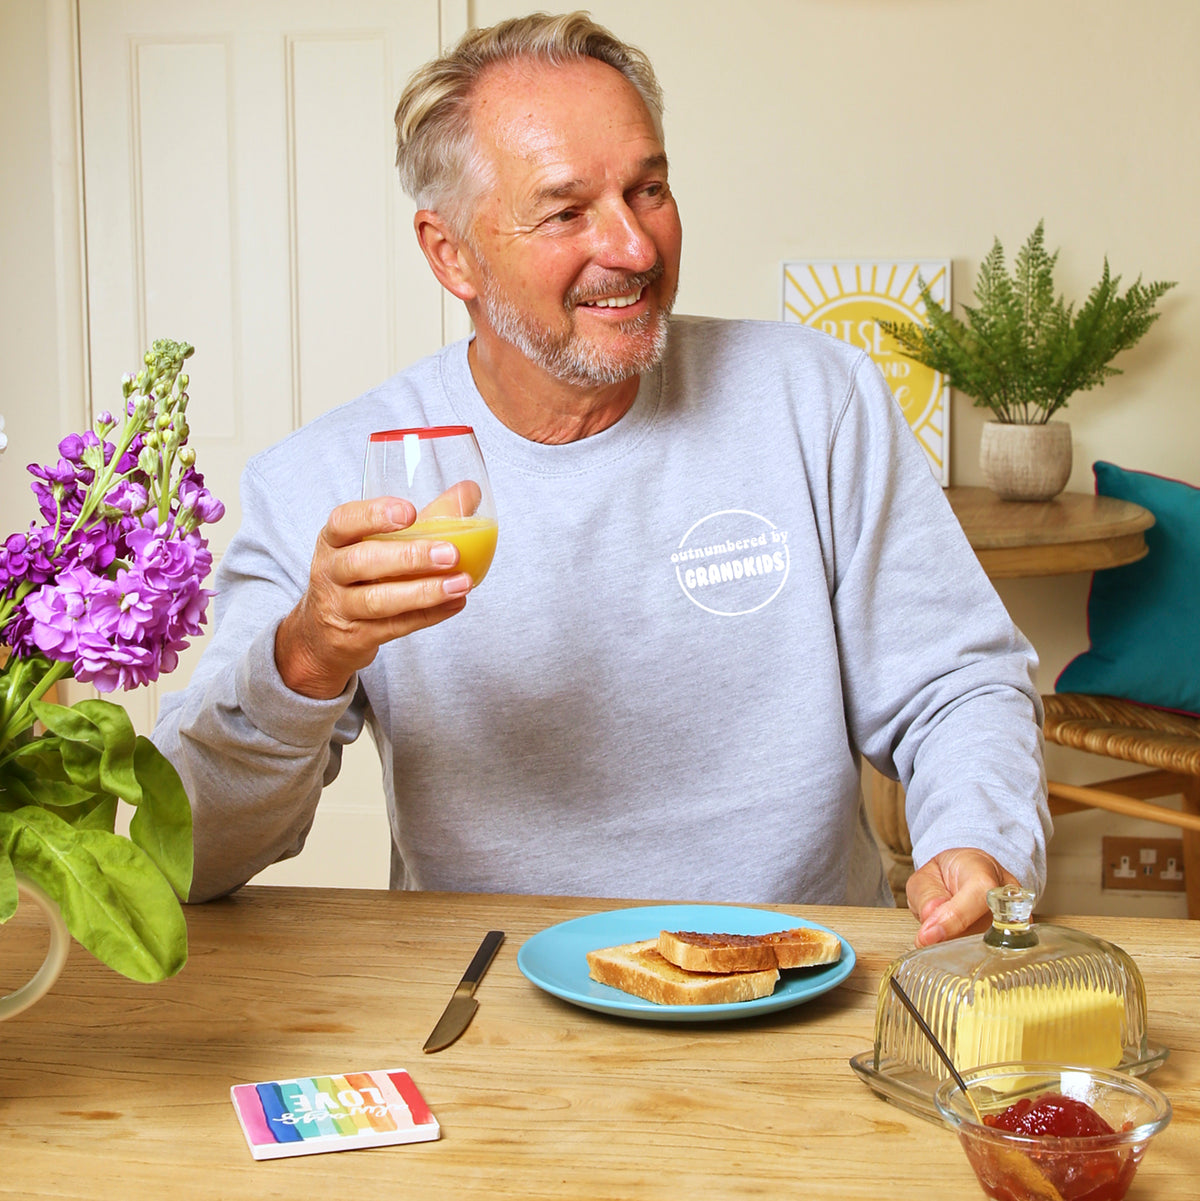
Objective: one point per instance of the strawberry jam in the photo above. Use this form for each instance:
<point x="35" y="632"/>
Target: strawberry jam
<point x="1029" y="1173"/>
<point x="1052" y="1113"/>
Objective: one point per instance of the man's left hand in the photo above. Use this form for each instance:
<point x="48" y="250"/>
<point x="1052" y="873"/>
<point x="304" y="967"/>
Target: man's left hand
<point x="949" y="894"/>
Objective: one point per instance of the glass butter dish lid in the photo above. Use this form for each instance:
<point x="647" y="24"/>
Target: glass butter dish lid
<point x="1035" y="993"/>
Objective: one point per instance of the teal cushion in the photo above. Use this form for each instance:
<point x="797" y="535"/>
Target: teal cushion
<point x="1144" y="618"/>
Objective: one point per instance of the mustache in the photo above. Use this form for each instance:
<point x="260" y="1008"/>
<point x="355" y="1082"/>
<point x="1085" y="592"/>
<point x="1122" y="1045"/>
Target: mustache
<point x="615" y="283"/>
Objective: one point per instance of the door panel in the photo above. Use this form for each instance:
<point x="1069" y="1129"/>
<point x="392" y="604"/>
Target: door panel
<point x="239" y="193"/>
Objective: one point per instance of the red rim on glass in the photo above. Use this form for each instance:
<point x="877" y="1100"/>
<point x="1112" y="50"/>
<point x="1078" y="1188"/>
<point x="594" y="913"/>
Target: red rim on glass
<point x="425" y="431"/>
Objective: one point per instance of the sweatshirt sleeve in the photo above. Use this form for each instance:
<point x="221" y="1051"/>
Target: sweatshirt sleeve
<point x="938" y="681"/>
<point x="253" y="755"/>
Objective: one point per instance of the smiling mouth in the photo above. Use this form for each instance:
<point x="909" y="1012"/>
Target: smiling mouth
<point x="613" y="302"/>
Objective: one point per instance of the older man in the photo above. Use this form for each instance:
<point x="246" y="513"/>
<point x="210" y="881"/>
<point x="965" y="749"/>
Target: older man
<point x="724" y="572"/>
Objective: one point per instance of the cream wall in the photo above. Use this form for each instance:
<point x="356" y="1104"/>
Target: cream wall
<point x="811" y="128"/>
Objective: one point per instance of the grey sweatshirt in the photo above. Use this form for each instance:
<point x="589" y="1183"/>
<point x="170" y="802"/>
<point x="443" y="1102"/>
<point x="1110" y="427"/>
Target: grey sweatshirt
<point x="696" y="623"/>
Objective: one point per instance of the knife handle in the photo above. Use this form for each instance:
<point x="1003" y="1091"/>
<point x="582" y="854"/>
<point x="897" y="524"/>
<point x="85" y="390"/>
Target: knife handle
<point x="483" y="958"/>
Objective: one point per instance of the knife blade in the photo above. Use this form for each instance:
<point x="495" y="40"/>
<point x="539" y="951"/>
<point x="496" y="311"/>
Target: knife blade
<point x="457" y="1015"/>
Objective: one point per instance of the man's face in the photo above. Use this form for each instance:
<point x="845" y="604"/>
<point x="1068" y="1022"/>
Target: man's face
<point x="576" y="237"/>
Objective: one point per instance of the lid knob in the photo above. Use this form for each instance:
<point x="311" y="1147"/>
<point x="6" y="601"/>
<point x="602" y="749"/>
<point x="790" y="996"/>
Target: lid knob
<point x="1012" y="917"/>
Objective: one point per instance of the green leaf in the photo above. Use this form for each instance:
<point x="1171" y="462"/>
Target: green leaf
<point x="117" y="773"/>
<point x="99" y="814"/>
<point x="114" y="900"/>
<point x="97" y="743"/>
<point x="34" y="781"/>
<point x="162" y="825"/>
<point x="155" y="920"/>
<point x="82" y="763"/>
<point x="69" y="723"/>
<point x="8" y="888"/>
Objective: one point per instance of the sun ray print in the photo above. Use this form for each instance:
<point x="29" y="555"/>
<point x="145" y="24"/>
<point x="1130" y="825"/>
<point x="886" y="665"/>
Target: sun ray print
<point x="848" y="299"/>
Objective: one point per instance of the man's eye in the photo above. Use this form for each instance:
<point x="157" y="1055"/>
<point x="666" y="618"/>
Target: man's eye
<point x="564" y="217"/>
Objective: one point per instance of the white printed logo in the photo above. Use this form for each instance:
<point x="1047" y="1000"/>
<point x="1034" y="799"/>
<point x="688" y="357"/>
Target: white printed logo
<point x="732" y="562"/>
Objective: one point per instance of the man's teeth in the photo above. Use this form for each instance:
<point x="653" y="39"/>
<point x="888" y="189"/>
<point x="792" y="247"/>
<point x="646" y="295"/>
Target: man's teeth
<point x="616" y="302"/>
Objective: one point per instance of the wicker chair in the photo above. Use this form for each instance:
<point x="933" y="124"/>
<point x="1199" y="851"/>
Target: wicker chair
<point x="1168" y="744"/>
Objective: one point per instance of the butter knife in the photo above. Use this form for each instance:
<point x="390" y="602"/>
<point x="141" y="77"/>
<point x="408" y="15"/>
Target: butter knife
<point x="458" y="1013"/>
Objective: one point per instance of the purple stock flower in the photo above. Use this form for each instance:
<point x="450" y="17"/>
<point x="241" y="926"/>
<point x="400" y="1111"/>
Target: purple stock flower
<point x="26" y="557"/>
<point x="130" y="496"/>
<point x="195" y="498"/>
<point x="122" y="632"/>
<point x="58" y="487"/>
<point x="119" y="597"/>
<point x="108" y="667"/>
<point x="94" y="547"/>
<point x="169" y="572"/>
<point x="56" y="611"/>
<point x="71" y="447"/>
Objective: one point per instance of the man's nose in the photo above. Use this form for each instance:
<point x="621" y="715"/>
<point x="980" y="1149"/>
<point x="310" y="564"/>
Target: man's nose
<point x="622" y="241"/>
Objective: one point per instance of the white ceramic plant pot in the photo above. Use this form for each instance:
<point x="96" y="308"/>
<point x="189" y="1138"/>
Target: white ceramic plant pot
<point x="56" y="956"/>
<point x="1026" y="462"/>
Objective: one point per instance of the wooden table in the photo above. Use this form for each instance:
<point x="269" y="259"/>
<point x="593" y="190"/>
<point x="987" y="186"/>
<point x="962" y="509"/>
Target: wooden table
<point x="1074" y="532"/>
<point x="114" y="1090"/>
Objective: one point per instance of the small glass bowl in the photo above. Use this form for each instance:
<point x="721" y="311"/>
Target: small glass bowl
<point x="1014" y="1167"/>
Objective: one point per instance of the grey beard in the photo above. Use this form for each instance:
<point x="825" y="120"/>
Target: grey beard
<point x="573" y="359"/>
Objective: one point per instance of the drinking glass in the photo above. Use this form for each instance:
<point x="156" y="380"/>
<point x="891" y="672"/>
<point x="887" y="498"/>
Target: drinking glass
<point x="440" y="469"/>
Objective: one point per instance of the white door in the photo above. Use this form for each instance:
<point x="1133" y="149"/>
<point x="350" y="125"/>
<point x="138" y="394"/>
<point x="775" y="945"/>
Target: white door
<point x="240" y="195"/>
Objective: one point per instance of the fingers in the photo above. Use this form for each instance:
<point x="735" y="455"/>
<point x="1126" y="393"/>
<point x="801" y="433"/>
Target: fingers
<point x="384" y="602"/>
<point x="949" y="894"/>
<point x="365" y="589"/>
<point x="359" y="519"/>
<point x="363" y="543"/>
<point x="927" y="893"/>
<point x="963" y="913"/>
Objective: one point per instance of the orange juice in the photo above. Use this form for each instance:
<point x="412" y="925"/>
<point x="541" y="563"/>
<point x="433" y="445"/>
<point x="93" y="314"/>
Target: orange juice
<point x="475" y="538"/>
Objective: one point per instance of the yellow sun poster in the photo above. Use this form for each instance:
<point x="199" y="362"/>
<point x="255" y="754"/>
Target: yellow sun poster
<point x="849" y="299"/>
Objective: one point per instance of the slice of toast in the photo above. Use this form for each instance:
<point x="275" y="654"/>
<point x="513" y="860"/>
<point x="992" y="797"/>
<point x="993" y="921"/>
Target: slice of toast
<point x="801" y="947"/>
<point x="638" y="968"/>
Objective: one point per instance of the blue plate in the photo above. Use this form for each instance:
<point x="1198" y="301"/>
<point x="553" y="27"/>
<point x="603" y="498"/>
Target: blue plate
<point x="555" y="960"/>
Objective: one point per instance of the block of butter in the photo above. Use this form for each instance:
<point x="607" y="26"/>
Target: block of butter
<point x="1071" y="1023"/>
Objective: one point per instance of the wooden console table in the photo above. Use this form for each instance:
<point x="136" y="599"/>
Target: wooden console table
<point x="1075" y="531"/>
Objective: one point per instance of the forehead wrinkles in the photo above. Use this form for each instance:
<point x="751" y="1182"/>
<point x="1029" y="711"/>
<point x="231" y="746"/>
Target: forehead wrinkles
<point x="520" y="113"/>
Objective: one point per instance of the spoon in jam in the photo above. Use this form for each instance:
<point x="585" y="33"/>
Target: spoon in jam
<point x="1021" y="1167"/>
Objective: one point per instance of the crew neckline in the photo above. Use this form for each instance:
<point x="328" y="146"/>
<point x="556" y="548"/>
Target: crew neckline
<point x="499" y="443"/>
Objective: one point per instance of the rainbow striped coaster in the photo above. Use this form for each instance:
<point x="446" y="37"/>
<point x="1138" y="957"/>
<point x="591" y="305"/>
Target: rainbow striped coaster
<point x="312" y="1114"/>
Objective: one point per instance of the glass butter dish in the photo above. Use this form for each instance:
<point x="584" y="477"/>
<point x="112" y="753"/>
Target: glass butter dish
<point x="1035" y="993"/>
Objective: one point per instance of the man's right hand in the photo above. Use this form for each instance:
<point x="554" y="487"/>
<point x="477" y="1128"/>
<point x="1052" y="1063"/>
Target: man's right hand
<point x="363" y="592"/>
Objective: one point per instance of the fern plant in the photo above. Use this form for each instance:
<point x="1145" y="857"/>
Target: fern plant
<point x="1022" y="351"/>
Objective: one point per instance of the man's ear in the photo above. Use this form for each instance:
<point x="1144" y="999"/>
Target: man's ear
<point x="448" y="257"/>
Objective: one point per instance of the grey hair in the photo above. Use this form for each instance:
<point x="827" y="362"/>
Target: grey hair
<point x="440" y="166"/>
